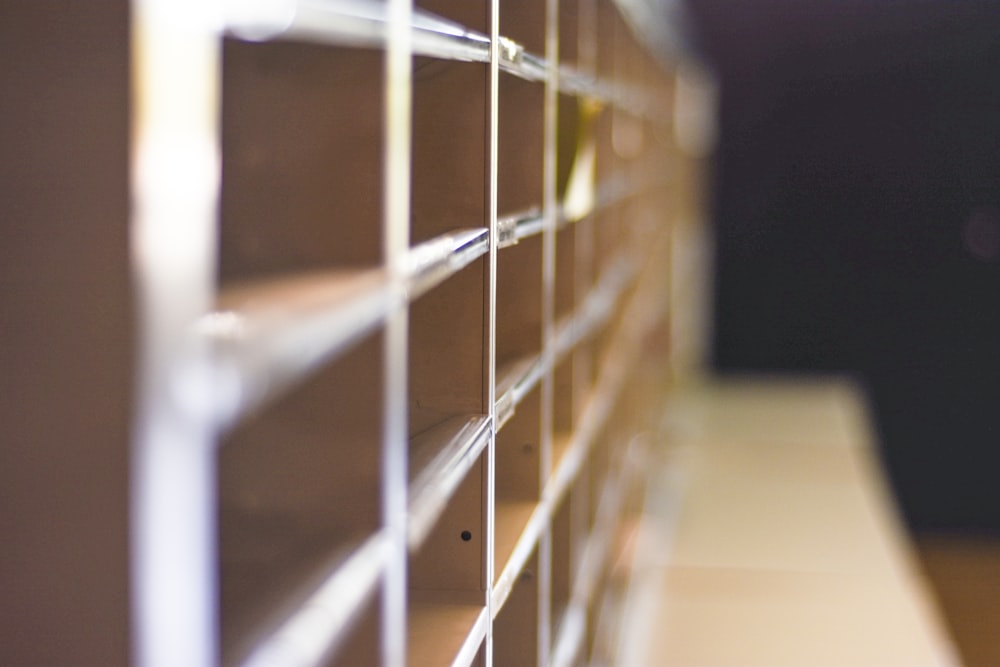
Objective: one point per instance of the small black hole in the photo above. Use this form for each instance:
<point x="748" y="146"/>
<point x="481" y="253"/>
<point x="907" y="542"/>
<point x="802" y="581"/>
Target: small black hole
<point x="466" y="536"/>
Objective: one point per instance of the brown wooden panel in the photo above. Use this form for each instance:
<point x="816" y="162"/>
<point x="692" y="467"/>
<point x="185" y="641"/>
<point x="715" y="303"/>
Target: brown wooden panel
<point x="519" y="300"/>
<point x="518" y="452"/>
<point x="361" y="648"/>
<point x="563" y="399"/>
<point x="569" y="30"/>
<point x="302" y="158"/>
<point x="66" y="333"/>
<point x="521" y="132"/>
<point x="524" y="22"/>
<point x="446" y="351"/>
<point x="298" y="482"/>
<point x="562" y="580"/>
<point x="453" y="557"/>
<point x="515" y="630"/>
<point x="450" y="159"/>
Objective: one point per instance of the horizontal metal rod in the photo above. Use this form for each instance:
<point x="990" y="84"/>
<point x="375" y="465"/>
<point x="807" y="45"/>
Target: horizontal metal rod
<point x="317" y="627"/>
<point x="364" y="23"/>
<point x="267" y="336"/>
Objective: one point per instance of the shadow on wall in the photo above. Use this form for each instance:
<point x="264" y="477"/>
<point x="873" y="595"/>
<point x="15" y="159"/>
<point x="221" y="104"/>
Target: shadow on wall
<point x="857" y="213"/>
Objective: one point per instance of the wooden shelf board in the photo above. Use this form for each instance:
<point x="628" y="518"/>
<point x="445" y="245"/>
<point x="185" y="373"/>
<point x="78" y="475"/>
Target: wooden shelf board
<point x="444" y="632"/>
<point x="266" y="335"/>
<point x="301" y="621"/>
<point x="515" y="379"/>
<point x="511" y="520"/>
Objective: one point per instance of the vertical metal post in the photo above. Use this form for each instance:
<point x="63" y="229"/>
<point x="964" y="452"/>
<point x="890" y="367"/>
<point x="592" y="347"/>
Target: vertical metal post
<point x="175" y="181"/>
<point x="396" y="241"/>
<point x="494" y="124"/>
<point x="550" y="206"/>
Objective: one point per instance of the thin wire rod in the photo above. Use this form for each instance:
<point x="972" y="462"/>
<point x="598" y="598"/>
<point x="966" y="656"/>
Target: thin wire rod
<point x="550" y="210"/>
<point x="491" y="375"/>
<point x="396" y="241"/>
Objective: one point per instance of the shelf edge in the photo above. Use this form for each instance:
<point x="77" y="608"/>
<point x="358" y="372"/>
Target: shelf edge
<point x="433" y="486"/>
<point x="242" y="357"/>
<point x="318" y="626"/>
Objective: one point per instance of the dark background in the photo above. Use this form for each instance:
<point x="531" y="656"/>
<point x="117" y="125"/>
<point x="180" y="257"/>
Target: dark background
<point x="857" y="220"/>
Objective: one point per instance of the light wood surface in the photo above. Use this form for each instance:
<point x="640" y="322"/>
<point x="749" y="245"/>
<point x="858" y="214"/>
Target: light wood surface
<point x="775" y="540"/>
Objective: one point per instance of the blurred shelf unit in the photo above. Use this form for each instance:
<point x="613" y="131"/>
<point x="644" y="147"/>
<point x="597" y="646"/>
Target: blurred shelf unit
<point x="405" y="285"/>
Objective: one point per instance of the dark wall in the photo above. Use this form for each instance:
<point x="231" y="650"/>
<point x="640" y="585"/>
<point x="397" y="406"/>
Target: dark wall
<point x="65" y="333"/>
<point x="857" y="212"/>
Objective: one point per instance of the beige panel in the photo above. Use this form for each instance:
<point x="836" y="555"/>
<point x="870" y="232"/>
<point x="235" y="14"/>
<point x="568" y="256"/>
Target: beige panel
<point x="437" y="630"/>
<point x="784" y="506"/>
<point x="447" y="561"/>
<point x="290" y="498"/>
<point x="361" y="648"/>
<point x="472" y="15"/>
<point x="515" y="630"/>
<point x="518" y="462"/>
<point x="519" y="179"/>
<point x="302" y="158"/>
<point x="519" y="300"/>
<point x="564" y="398"/>
<point x="449" y="147"/>
<point x="780" y="537"/>
<point x="446" y="349"/>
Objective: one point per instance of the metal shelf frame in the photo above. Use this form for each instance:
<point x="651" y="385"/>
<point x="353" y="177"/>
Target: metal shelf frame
<point x="214" y="356"/>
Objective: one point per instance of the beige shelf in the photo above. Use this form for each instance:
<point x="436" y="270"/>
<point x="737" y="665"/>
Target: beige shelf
<point x="267" y="335"/>
<point x="512" y="542"/>
<point x="515" y="380"/>
<point x="446" y="631"/>
<point x="317" y="622"/>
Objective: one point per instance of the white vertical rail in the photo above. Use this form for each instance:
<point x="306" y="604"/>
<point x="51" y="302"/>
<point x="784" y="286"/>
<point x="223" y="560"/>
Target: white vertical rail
<point x="583" y="361"/>
<point x="396" y="241"/>
<point x="550" y="205"/>
<point x="494" y="124"/>
<point x="175" y="180"/>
